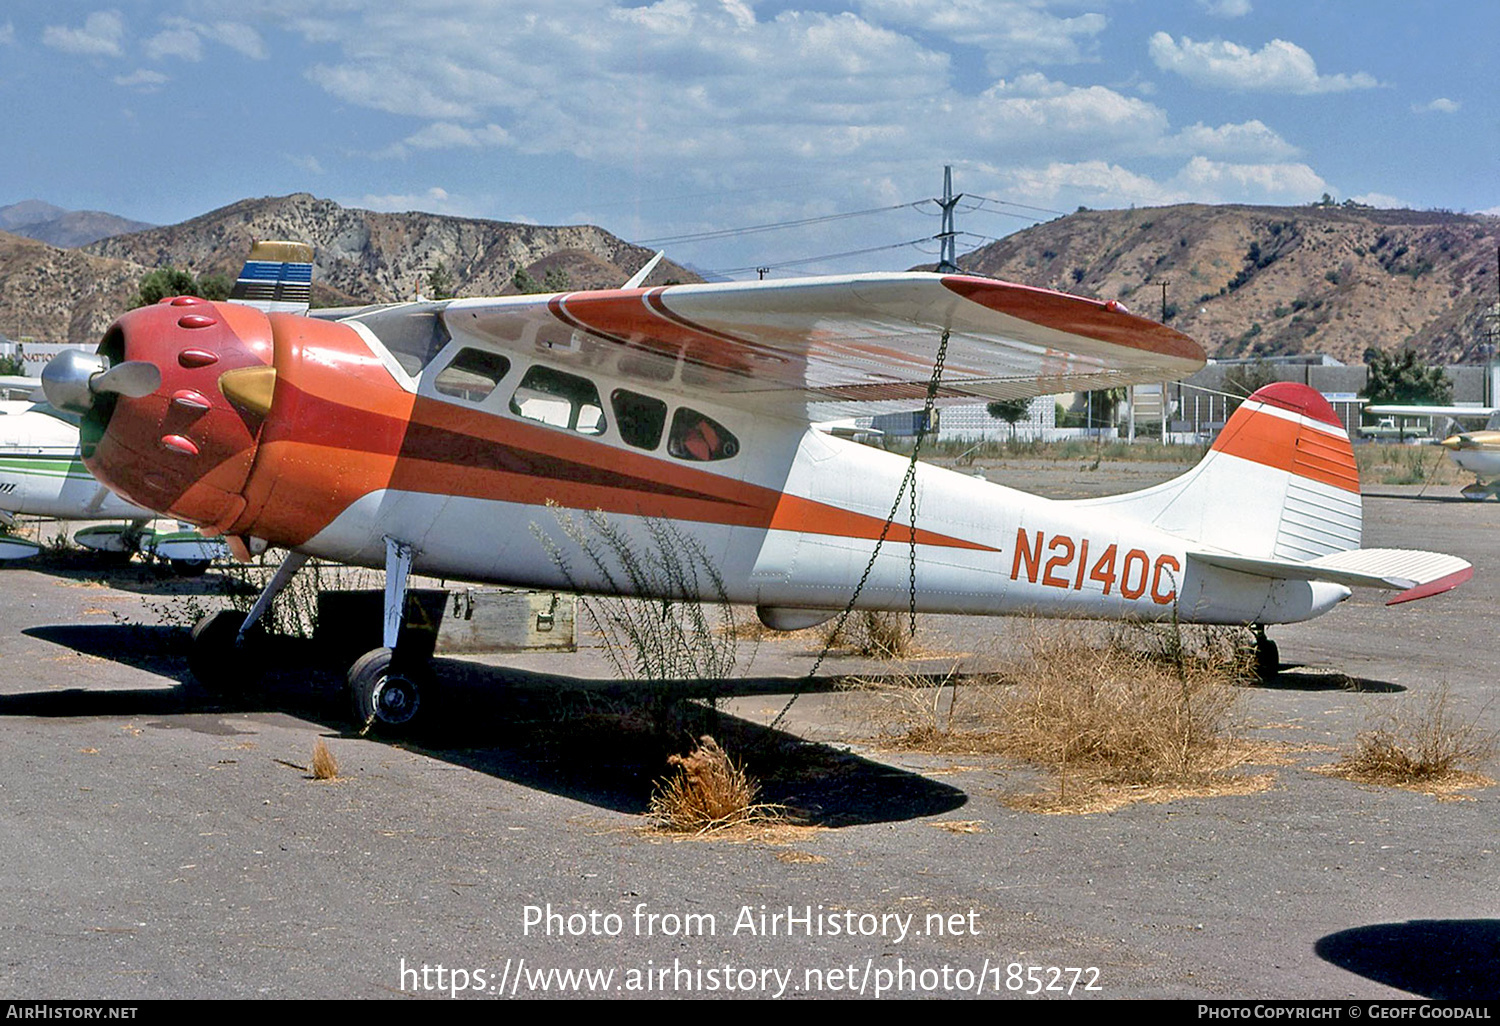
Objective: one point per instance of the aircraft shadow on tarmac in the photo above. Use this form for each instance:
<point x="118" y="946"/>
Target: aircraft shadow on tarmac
<point x="123" y="574"/>
<point x="1296" y="677"/>
<point x="1444" y="959"/>
<point x="601" y="742"/>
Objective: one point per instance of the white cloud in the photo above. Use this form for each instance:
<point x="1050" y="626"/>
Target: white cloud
<point x="435" y="200"/>
<point x="307" y="163"/>
<point x="1442" y="105"/>
<point x="1248" y="139"/>
<point x="142" y="79"/>
<point x="1226" y="8"/>
<point x="1099" y="183"/>
<point x="1211" y="181"/>
<point x="238" y="37"/>
<point x="1034" y="108"/>
<point x="1012" y="33"/>
<point x="1380" y="199"/>
<point x="7" y="34"/>
<point x="176" y="42"/>
<point x="102" y="34"/>
<point x="445" y="135"/>
<point x="1279" y="66"/>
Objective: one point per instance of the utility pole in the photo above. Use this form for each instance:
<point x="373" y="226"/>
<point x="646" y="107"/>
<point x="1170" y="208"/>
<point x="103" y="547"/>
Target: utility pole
<point x="948" y="260"/>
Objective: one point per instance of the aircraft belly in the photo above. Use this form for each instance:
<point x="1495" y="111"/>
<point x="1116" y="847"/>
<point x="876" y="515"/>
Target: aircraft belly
<point x="519" y="543"/>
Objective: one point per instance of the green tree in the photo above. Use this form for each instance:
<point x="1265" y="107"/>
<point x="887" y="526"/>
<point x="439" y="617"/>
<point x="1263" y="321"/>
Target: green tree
<point x="1008" y="410"/>
<point x="163" y="282"/>
<point x="215" y="286"/>
<point x="1100" y="406"/>
<point x="1245" y="379"/>
<point x="440" y="282"/>
<point x="1403" y="378"/>
<point x="525" y="283"/>
<point x="11" y="365"/>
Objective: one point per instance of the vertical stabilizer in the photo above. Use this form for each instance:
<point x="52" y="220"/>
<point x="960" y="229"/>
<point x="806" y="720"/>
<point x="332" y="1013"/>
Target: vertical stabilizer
<point x="1279" y="483"/>
<point x="276" y="278"/>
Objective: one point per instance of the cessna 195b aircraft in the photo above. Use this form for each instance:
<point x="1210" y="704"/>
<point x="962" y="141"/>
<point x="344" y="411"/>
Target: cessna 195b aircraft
<point x="434" y="437"/>
<point x="1475" y="451"/>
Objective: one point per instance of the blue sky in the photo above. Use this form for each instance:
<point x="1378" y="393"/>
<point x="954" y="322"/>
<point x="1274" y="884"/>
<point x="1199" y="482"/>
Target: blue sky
<point x="663" y="119"/>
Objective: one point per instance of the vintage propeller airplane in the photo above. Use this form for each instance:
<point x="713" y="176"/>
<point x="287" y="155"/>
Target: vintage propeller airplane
<point x="433" y="437"/>
<point x="1475" y="451"/>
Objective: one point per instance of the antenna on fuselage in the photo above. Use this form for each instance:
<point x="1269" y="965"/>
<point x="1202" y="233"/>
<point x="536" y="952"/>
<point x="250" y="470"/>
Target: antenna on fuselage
<point x="640" y="276"/>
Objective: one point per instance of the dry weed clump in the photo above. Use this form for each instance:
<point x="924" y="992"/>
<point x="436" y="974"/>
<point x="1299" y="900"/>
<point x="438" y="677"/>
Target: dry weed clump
<point x="872" y="633"/>
<point x="1432" y="748"/>
<point x="708" y="792"/>
<point x="1121" y="715"/>
<point x="324" y="765"/>
<point x="1148" y="712"/>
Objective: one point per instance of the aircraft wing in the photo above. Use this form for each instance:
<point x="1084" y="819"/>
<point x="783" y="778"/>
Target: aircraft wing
<point x="824" y="348"/>
<point x="1456" y="412"/>
<point x="1412" y="573"/>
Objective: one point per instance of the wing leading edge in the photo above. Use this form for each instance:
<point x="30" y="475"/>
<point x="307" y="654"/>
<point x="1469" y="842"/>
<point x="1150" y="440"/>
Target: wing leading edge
<point x="839" y="346"/>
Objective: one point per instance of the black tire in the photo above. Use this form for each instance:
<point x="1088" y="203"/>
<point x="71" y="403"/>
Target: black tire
<point x="387" y="697"/>
<point x="189" y="567"/>
<point x="1267" y="660"/>
<point x="219" y="661"/>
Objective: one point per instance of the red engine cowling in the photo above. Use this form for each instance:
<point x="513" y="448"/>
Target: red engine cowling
<point x="263" y="426"/>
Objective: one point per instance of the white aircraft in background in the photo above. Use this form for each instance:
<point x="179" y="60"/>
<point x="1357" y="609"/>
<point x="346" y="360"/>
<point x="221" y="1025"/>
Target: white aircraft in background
<point x="42" y="472"/>
<point x="1478" y="452"/>
<point x="443" y="437"/>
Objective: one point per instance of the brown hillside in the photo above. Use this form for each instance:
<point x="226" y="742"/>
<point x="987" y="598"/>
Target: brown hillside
<point x="374" y="257"/>
<point x="1267" y="280"/>
<point x="61" y="295"/>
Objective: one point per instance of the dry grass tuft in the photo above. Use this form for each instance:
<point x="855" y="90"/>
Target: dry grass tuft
<point x="324" y="765"/>
<point x="1120" y="715"/>
<point x="879" y="635"/>
<point x="1431" y="749"/>
<point x="960" y="826"/>
<point x="1144" y="714"/>
<point x="708" y="792"/>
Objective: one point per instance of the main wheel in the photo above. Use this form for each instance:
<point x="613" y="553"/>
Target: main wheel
<point x="218" y="658"/>
<point x="389" y="697"/>
<point x="1267" y="659"/>
<point x="189" y="567"/>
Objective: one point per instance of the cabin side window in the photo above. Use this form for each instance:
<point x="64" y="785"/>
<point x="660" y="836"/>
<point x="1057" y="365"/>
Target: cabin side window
<point x="560" y="400"/>
<point x="640" y="419"/>
<point x="700" y="438"/>
<point x="471" y="375"/>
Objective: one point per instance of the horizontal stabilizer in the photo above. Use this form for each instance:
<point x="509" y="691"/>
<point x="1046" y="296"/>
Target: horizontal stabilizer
<point x="1413" y="573"/>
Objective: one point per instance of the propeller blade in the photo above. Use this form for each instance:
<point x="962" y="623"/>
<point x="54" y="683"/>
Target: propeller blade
<point x="133" y="379"/>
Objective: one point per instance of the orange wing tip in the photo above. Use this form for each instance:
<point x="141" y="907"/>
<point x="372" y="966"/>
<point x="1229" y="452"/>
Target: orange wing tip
<point x="1437" y="587"/>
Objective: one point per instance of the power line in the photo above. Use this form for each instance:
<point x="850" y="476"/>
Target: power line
<point x="1012" y="203"/>
<point x="816" y="259"/>
<point x="725" y="233"/>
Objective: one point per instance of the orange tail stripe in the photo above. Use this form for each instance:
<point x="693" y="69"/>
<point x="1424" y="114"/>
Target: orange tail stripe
<point x="1290" y="447"/>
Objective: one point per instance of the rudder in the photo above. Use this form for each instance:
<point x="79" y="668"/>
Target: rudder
<point x="1279" y="482"/>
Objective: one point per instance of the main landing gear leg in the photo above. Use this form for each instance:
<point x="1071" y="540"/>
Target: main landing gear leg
<point x="390" y="692"/>
<point x="221" y="654"/>
<point x="1267" y="655"/>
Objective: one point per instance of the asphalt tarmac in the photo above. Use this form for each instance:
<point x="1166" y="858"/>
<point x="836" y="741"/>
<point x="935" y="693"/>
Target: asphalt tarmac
<point x="158" y="843"/>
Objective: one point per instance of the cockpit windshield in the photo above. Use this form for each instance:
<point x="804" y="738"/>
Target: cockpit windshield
<point x="413" y="332"/>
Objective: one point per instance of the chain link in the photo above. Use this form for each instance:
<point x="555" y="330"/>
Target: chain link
<point x="909" y="481"/>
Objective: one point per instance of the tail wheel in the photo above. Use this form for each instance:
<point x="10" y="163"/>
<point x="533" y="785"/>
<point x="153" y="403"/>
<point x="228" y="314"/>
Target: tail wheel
<point x="387" y="696"/>
<point x="219" y="659"/>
